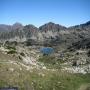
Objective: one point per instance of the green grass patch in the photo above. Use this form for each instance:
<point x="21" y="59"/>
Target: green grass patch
<point x="11" y="52"/>
<point x="10" y="48"/>
<point x="51" y="62"/>
<point x="42" y="79"/>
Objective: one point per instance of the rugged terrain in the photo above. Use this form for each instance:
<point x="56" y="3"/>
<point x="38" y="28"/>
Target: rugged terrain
<point x="23" y="65"/>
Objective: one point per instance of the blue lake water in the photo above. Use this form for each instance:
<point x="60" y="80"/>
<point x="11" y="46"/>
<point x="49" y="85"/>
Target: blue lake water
<point x="46" y="50"/>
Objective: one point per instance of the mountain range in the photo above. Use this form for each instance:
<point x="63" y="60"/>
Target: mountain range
<point x="49" y="33"/>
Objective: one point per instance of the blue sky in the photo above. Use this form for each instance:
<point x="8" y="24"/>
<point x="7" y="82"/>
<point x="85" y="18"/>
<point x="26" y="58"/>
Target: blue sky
<point x="38" y="12"/>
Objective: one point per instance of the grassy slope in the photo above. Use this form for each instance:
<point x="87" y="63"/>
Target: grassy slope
<point x="40" y="79"/>
<point x="85" y="86"/>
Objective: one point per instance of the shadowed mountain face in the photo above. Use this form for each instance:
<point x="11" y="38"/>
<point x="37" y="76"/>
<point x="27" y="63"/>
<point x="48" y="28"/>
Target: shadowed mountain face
<point x="5" y="27"/>
<point x="15" y="26"/>
<point x="30" y="30"/>
<point x="51" y="26"/>
<point x="82" y="44"/>
<point x="50" y="33"/>
<point x="85" y="26"/>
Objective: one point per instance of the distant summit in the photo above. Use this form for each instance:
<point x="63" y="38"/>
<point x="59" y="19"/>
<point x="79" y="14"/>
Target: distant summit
<point x="17" y="25"/>
<point x="4" y="27"/>
<point x="84" y="26"/>
<point x="51" y="26"/>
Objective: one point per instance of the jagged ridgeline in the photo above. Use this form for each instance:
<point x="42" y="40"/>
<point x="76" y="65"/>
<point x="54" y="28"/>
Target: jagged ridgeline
<point x="48" y="34"/>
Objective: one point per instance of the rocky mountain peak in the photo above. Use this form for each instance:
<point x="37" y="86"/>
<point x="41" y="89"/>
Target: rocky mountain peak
<point x="86" y="24"/>
<point x="17" y="25"/>
<point x="51" y="26"/>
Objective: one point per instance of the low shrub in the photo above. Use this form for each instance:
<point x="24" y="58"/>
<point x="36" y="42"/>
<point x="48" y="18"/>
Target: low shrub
<point x="11" y="52"/>
<point x="11" y="48"/>
<point x="22" y="54"/>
